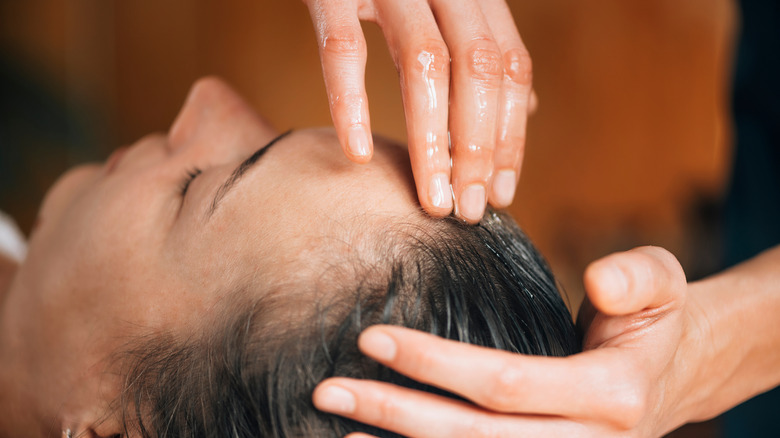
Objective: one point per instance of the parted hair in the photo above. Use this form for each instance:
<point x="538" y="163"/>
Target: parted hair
<point x="252" y="374"/>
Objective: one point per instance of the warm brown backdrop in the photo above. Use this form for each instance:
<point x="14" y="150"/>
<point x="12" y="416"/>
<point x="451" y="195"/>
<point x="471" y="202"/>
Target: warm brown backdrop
<point x="631" y="135"/>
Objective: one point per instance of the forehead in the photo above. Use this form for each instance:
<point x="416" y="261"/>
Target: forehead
<point x="303" y="203"/>
<point x="307" y="172"/>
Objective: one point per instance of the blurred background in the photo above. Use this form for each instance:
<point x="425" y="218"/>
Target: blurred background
<point x="632" y="143"/>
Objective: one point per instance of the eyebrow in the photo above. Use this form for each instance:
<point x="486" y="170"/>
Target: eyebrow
<point x="234" y="177"/>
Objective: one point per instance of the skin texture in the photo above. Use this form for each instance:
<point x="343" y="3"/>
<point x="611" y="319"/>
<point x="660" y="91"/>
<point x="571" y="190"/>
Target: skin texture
<point x="657" y="353"/>
<point x="120" y="254"/>
<point x="465" y="75"/>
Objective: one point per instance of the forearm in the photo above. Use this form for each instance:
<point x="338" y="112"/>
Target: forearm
<point x="735" y="328"/>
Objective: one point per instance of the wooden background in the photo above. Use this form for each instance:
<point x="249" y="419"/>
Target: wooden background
<point x="631" y="144"/>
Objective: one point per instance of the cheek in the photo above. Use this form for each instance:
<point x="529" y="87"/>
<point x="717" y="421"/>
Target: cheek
<point x="51" y="245"/>
<point x="92" y="232"/>
<point x="67" y="188"/>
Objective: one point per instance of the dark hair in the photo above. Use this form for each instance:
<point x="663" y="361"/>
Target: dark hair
<point x="252" y="375"/>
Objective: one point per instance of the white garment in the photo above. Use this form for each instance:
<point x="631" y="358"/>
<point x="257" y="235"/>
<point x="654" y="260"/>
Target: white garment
<point x="12" y="241"/>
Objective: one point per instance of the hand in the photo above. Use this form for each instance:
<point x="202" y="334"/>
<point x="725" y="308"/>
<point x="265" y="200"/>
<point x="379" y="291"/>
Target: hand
<point x="638" y="365"/>
<point x="484" y="113"/>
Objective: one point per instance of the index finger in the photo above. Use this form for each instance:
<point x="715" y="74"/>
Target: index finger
<point x="343" y="54"/>
<point x="586" y="385"/>
<point x="411" y="413"/>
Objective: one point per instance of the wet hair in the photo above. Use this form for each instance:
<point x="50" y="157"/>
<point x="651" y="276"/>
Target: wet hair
<point x="253" y="373"/>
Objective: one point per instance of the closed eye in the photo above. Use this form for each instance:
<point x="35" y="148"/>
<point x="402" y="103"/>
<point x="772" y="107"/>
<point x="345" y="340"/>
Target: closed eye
<point x="191" y="175"/>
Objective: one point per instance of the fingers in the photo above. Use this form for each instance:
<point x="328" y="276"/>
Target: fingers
<point x="343" y="54"/>
<point x="423" y="62"/>
<point x="514" y="103"/>
<point x="485" y="103"/>
<point x="392" y="407"/>
<point x="477" y="73"/>
<point x="599" y="383"/>
<point x="632" y="281"/>
<point x="413" y="413"/>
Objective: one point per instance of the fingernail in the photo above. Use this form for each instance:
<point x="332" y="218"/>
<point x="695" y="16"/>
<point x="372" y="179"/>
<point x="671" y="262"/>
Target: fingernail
<point x="471" y="204"/>
<point x="504" y="184"/>
<point x="358" y="142"/>
<point x="378" y="345"/>
<point x="439" y="191"/>
<point x="336" y="399"/>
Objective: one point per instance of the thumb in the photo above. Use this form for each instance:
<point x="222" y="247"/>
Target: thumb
<point x="635" y="280"/>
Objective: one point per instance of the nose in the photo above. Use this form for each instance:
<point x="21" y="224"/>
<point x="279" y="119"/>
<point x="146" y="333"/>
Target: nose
<point x="215" y="116"/>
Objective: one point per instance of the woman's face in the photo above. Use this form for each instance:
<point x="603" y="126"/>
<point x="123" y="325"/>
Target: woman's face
<point x="135" y="245"/>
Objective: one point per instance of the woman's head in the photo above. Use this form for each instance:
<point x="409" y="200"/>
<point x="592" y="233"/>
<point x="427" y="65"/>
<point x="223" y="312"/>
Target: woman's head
<point x="255" y="370"/>
<point x="293" y="243"/>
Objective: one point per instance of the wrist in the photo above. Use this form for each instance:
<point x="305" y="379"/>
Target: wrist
<point x="703" y="357"/>
<point x="730" y="350"/>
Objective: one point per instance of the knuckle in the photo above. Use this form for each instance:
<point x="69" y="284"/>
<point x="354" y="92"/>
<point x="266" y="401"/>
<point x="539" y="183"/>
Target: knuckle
<point x="485" y="63"/>
<point x="346" y="99"/>
<point x="630" y="410"/>
<point x="510" y="148"/>
<point x="343" y="42"/>
<point x="477" y="152"/>
<point x="348" y="106"/>
<point x="518" y="66"/>
<point x="654" y="255"/>
<point x="429" y="58"/>
<point x="475" y="148"/>
<point x="629" y="401"/>
<point x="385" y="411"/>
<point x="666" y="259"/>
<point x="660" y="269"/>
<point x="500" y="394"/>
<point x="426" y="360"/>
<point x="640" y="271"/>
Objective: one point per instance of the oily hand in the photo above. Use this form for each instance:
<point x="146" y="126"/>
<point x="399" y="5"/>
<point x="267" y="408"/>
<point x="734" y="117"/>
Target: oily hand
<point x="469" y="44"/>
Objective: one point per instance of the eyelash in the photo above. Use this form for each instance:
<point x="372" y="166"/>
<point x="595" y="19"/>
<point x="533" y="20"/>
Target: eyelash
<point x="191" y="175"/>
